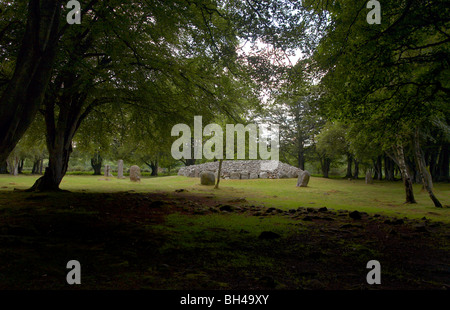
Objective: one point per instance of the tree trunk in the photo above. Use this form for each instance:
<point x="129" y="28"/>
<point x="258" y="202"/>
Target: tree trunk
<point x="13" y="165"/>
<point x="154" y="167"/>
<point x="433" y="163"/>
<point x="189" y="162"/>
<point x="412" y="170"/>
<point x="20" y="166"/>
<point x="443" y="163"/>
<point x="35" y="168"/>
<point x="25" y="92"/>
<point x="400" y="157"/>
<point x="301" y="158"/>
<point x="424" y="174"/>
<point x="355" y="176"/>
<point x="59" y="138"/>
<point x="41" y="166"/>
<point x="378" y="175"/>
<point x="219" y="172"/>
<point x="57" y="167"/>
<point x="349" y="174"/>
<point x="96" y="163"/>
<point x="389" y="173"/>
<point x="326" y="167"/>
<point x="4" y="168"/>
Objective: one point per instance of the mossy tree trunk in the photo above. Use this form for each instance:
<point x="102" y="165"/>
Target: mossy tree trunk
<point x="96" y="163"/>
<point x="219" y="172"/>
<point x="407" y="182"/>
<point x="424" y="174"/>
<point x="25" y="92"/>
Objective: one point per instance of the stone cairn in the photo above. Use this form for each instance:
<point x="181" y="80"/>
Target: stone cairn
<point x="135" y="174"/>
<point x="242" y="169"/>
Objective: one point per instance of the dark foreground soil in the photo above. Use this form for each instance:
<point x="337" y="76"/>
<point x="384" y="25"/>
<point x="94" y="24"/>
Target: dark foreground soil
<point x="120" y="241"/>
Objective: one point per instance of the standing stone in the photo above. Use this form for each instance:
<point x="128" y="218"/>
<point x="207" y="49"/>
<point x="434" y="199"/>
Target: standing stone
<point x="108" y="171"/>
<point x="135" y="174"/>
<point x="120" y="169"/>
<point x="303" y="179"/>
<point x="235" y="175"/>
<point x="369" y="179"/>
<point x="207" y="178"/>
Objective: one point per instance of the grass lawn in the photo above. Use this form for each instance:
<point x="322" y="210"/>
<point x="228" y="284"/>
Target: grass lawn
<point x="249" y="234"/>
<point x="380" y="197"/>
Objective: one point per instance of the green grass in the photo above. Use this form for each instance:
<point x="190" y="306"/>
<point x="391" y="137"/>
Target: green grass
<point x="126" y="240"/>
<point x="381" y="197"/>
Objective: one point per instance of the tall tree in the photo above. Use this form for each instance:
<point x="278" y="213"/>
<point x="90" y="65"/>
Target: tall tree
<point x="165" y="57"/>
<point x="389" y="78"/>
<point x="331" y="144"/>
<point x="33" y="59"/>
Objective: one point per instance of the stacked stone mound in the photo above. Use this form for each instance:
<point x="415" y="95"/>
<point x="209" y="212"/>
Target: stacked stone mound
<point x="243" y="169"/>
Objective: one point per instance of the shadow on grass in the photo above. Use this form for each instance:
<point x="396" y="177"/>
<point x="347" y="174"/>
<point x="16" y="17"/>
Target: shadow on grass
<point x="175" y="241"/>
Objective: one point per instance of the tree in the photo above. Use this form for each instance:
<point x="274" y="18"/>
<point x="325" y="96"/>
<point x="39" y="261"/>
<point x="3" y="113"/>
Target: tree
<point x="388" y="78"/>
<point x="96" y="163"/>
<point x="299" y="121"/>
<point x="331" y="144"/>
<point x="23" y="91"/>
<point x="219" y="172"/>
<point x="95" y="64"/>
<point x="424" y="174"/>
<point x="168" y="57"/>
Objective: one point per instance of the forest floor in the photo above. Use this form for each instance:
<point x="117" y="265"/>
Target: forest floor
<point x="180" y="240"/>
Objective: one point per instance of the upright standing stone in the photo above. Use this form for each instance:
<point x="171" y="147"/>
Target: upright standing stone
<point x="108" y="171"/>
<point x="369" y="179"/>
<point x="303" y="179"/>
<point x="120" y="169"/>
<point x="207" y="178"/>
<point x="135" y="174"/>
